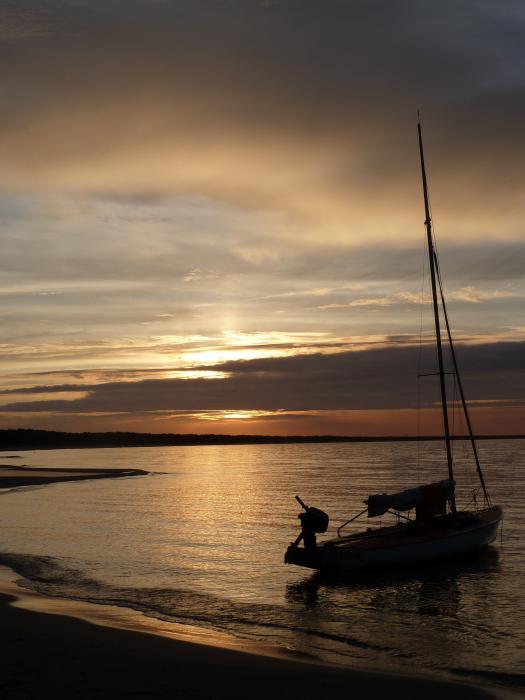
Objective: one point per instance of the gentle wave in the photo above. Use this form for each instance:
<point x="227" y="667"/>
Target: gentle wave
<point x="48" y="576"/>
<point x="51" y="577"/>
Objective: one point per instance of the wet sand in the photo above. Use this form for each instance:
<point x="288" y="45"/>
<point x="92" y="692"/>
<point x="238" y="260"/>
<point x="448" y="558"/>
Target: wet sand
<point x="63" y="657"/>
<point x="14" y="476"/>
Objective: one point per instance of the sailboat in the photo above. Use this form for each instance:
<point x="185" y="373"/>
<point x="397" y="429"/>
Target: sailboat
<point x="439" y="529"/>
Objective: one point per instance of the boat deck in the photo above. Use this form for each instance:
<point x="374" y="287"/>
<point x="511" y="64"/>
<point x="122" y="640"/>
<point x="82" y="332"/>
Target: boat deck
<point x="404" y="542"/>
<point x="414" y="531"/>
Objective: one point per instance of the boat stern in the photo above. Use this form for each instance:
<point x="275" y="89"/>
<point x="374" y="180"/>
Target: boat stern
<point x="301" y="556"/>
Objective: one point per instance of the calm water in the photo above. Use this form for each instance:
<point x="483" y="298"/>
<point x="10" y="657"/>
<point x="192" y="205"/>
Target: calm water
<point x="202" y="541"/>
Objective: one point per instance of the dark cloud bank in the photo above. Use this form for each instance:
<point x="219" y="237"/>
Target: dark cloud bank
<point x="370" y="379"/>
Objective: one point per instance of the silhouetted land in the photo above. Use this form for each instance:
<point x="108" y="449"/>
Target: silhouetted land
<point x="14" y="476"/>
<point x="27" y="439"/>
<point x="70" y="658"/>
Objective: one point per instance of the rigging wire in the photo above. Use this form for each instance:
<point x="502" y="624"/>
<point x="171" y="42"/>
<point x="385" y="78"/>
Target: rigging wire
<point x="432" y="263"/>
<point x="440" y="310"/>
<point x="419" y="361"/>
<point x="468" y="470"/>
<point x="456" y="382"/>
<point x="455" y="398"/>
<point x="454" y="389"/>
<point x="460" y="386"/>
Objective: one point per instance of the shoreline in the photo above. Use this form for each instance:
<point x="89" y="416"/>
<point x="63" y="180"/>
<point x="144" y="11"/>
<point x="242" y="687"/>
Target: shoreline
<point x="20" y="476"/>
<point x="127" y="619"/>
<point x="23" y="440"/>
<point x="106" y="651"/>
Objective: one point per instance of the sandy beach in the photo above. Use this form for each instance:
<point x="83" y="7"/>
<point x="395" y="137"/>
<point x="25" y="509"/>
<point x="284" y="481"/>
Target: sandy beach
<point x="67" y="657"/>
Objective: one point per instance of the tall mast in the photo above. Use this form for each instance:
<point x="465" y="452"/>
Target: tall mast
<point x="432" y="260"/>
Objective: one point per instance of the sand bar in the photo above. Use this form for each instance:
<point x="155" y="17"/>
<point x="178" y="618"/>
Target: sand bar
<point x="13" y="476"/>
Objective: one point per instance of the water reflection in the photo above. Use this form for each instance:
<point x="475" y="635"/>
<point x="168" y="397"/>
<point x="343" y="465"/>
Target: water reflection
<point x="436" y="612"/>
<point x="430" y="589"/>
<point x="439" y="597"/>
<point x="204" y="544"/>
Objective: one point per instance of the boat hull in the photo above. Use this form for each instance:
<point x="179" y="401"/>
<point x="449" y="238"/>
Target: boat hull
<point x="398" y="545"/>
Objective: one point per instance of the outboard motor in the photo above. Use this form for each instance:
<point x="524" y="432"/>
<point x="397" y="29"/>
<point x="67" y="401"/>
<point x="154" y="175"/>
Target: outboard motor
<point x="313" y="521"/>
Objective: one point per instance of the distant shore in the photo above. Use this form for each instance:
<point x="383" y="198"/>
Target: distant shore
<point x="28" y="439"/>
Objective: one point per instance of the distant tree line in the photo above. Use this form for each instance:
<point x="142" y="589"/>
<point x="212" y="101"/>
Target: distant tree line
<point x="30" y="439"/>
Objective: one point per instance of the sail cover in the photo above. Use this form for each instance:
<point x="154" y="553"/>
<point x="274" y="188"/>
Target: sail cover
<point x="378" y="504"/>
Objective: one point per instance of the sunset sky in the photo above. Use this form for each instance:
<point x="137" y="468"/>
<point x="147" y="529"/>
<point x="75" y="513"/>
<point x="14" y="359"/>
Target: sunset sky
<point x="212" y="221"/>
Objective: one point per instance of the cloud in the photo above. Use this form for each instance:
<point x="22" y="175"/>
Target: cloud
<point x="186" y="98"/>
<point x="474" y="296"/>
<point x="25" y="21"/>
<point x="173" y="171"/>
<point x="468" y="294"/>
<point x="383" y="378"/>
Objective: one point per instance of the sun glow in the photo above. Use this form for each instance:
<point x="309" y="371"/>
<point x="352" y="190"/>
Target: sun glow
<point x="235" y="345"/>
<point x="197" y="374"/>
<point x="231" y="415"/>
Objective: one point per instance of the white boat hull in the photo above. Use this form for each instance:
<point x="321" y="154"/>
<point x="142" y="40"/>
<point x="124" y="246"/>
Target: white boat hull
<point x="349" y="554"/>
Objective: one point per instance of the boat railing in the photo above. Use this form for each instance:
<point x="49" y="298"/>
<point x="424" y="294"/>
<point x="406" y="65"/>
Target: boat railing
<point x="350" y="521"/>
